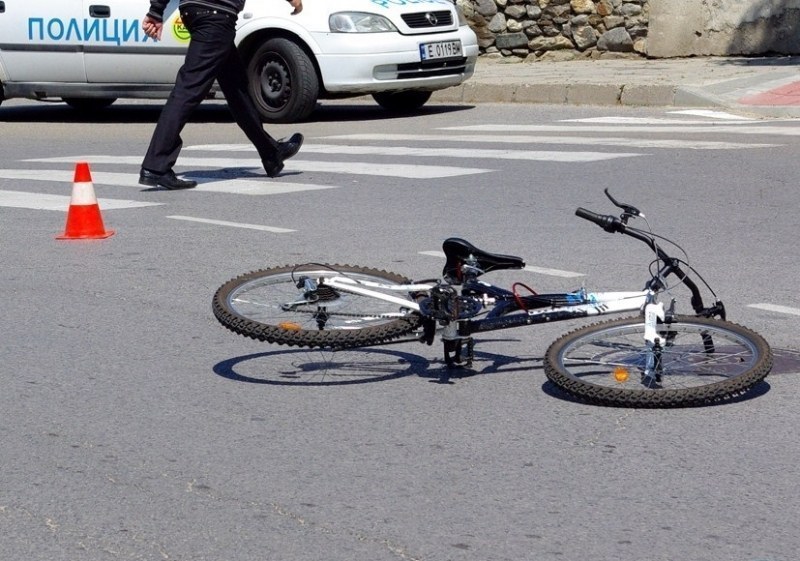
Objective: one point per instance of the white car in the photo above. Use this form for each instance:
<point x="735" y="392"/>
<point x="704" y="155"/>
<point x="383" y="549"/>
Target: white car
<point x="91" y="52"/>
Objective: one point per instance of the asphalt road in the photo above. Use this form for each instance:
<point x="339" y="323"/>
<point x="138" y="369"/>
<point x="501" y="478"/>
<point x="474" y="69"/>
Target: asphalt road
<point x="133" y="426"/>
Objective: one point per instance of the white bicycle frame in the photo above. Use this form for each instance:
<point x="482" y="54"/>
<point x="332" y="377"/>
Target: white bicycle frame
<point x="596" y="303"/>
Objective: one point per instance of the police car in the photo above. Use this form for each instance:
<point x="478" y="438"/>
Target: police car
<point x="91" y="52"/>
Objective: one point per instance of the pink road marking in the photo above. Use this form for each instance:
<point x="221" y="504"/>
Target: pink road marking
<point x="785" y="95"/>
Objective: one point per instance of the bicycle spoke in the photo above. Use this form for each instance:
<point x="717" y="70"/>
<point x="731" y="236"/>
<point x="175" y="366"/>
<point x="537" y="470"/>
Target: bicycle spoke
<point x="294" y="306"/>
<point x="613" y="358"/>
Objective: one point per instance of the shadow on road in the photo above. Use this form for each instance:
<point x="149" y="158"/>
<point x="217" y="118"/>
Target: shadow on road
<point x="785" y="361"/>
<point x="759" y="61"/>
<point x="129" y="112"/>
<point x="321" y="367"/>
<point x="318" y="367"/>
<point x="757" y="391"/>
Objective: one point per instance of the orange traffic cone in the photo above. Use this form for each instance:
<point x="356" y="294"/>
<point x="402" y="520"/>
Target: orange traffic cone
<point x="83" y="219"/>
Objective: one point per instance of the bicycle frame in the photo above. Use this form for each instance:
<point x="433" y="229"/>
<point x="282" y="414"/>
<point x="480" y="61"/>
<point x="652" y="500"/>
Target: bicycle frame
<point x="503" y="303"/>
<point x="564" y="306"/>
<point x="500" y="308"/>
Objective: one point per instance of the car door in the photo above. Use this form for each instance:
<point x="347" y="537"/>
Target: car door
<point x="40" y="40"/>
<point x="118" y="51"/>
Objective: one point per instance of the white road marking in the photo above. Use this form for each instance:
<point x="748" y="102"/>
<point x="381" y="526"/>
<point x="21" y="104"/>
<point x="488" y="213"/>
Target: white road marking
<point x="776" y="308"/>
<point x="43" y="201"/>
<point x="713" y="114"/>
<point x="529" y="268"/>
<point x="531" y="155"/>
<point x="234" y="224"/>
<point x="206" y="183"/>
<point x="410" y="171"/>
<point x="224" y="148"/>
<point x="552" y="272"/>
<point x="536" y="139"/>
<point x="652" y="121"/>
<point x="728" y="128"/>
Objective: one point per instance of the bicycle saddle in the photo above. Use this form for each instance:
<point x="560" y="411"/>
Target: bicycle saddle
<point x="457" y="251"/>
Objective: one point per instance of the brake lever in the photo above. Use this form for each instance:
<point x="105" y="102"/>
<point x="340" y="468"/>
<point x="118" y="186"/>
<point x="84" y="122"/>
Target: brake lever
<point x="629" y="210"/>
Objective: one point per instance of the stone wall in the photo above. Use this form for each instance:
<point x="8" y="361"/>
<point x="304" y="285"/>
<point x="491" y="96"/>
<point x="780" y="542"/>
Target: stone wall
<point x="564" y="29"/>
<point x="723" y="27"/>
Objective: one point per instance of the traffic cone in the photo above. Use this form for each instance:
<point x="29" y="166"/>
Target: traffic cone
<point x="83" y="219"/>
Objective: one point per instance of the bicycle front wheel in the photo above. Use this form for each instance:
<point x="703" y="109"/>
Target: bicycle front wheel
<point x="268" y="305"/>
<point x="698" y="361"/>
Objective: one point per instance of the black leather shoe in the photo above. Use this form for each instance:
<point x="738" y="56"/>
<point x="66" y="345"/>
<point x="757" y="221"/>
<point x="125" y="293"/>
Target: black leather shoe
<point x="287" y="147"/>
<point x="166" y="180"/>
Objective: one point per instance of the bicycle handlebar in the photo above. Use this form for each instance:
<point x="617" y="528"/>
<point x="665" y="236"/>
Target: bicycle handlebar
<point x="607" y="222"/>
<point x="671" y="266"/>
<point x="615" y="225"/>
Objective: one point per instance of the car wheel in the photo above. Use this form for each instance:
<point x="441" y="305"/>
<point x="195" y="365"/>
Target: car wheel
<point x="89" y="103"/>
<point x="402" y="102"/>
<point x="283" y="81"/>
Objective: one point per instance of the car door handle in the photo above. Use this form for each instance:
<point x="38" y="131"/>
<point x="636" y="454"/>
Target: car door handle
<point x="2" y="7"/>
<point x="98" y="11"/>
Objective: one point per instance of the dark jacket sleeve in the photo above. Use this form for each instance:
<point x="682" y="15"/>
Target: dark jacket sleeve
<point x="157" y="9"/>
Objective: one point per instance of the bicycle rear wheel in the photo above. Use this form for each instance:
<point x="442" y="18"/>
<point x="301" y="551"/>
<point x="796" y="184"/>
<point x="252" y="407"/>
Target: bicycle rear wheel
<point x="268" y="305"/>
<point x="701" y="361"/>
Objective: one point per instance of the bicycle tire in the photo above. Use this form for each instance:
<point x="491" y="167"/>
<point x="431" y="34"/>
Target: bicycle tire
<point x="703" y="361"/>
<point x="251" y="305"/>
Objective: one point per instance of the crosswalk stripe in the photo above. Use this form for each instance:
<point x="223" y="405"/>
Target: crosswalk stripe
<point x="410" y="171"/>
<point x="530" y="268"/>
<point x="531" y="155"/>
<point x="530" y="139"/>
<point x="727" y="128"/>
<point x="272" y="229"/>
<point x="776" y="308"/>
<point x="653" y="121"/>
<point x="207" y="183"/>
<point x="44" y="201"/>
<point x="714" y="114"/>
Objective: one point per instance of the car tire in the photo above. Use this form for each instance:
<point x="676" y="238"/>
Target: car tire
<point x="402" y="102"/>
<point x="88" y="104"/>
<point x="282" y="81"/>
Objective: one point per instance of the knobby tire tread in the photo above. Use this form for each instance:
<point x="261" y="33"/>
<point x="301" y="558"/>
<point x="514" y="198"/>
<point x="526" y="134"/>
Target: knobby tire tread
<point x="663" y="398"/>
<point x="332" y="339"/>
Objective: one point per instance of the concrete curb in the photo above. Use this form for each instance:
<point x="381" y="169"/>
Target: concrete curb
<point x="695" y="82"/>
<point x="570" y="94"/>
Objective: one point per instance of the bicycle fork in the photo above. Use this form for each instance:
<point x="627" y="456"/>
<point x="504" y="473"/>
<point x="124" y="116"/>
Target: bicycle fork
<point x="652" y="369"/>
<point x="653" y="312"/>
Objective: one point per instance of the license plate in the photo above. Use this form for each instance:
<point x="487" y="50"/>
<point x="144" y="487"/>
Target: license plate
<point x="441" y="49"/>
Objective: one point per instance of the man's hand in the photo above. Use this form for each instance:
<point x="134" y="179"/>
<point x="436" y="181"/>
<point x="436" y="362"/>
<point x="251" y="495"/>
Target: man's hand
<point x="152" y="28"/>
<point x="297" y="5"/>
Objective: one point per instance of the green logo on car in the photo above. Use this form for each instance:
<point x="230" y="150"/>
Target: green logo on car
<point x="179" y="31"/>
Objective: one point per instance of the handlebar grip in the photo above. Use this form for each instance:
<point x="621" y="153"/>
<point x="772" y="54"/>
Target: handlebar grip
<point x="606" y="222"/>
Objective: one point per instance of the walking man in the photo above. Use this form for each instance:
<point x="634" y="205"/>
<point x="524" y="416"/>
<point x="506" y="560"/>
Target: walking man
<point x="211" y="55"/>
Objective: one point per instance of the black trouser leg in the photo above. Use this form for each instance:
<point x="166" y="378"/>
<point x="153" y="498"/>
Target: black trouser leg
<point x="232" y="80"/>
<point x="212" y="39"/>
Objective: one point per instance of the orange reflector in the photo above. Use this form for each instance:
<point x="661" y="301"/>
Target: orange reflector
<point x="621" y="374"/>
<point x="290" y="326"/>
